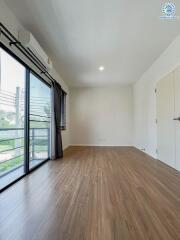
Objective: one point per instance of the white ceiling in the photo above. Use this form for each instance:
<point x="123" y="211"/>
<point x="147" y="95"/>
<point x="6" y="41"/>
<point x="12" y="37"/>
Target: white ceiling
<point x="125" y="36"/>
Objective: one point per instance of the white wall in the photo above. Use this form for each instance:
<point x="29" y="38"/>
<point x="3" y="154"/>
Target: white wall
<point x="11" y="22"/>
<point x="145" y="134"/>
<point x="101" y="116"/>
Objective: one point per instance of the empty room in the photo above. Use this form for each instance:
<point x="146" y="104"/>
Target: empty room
<point x="89" y="120"/>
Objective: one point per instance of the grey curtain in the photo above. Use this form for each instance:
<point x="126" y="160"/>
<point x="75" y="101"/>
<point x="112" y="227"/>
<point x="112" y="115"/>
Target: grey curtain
<point x="56" y="143"/>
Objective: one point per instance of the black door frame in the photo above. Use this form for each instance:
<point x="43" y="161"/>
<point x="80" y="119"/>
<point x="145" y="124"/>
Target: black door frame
<point x="29" y="70"/>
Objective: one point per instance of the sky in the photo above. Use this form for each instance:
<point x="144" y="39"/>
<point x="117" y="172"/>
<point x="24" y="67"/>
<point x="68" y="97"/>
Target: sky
<point x="12" y="75"/>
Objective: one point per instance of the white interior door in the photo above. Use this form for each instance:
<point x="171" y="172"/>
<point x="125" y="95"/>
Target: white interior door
<point x="165" y="122"/>
<point x="177" y="115"/>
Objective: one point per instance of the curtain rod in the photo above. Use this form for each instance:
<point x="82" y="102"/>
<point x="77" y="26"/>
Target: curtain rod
<point x="28" y="54"/>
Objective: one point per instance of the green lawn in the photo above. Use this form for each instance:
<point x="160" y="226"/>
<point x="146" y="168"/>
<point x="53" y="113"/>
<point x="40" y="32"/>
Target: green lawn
<point x="19" y="160"/>
<point x="5" y="147"/>
<point x="7" y="166"/>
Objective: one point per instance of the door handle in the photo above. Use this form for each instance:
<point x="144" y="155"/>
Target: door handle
<point x="177" y="119"/>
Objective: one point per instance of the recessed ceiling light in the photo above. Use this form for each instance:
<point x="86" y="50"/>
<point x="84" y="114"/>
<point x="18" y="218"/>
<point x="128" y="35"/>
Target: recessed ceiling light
<point x="101" y="68"/>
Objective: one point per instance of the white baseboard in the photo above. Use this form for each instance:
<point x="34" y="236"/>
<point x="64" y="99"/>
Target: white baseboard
<point x="65" y="147"/>
<point x="154" y="156"/>
<point x="99" y="145"/>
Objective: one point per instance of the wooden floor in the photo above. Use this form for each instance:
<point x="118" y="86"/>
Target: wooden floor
<point x="94" y="193"/>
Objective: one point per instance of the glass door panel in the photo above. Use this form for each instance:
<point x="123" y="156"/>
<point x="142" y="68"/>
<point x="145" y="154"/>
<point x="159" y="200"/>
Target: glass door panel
<point x="12" y="102"/>
<point x="40" y="118"/>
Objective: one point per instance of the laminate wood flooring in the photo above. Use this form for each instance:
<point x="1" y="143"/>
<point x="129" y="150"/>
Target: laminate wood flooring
<point x="94" y="193"/>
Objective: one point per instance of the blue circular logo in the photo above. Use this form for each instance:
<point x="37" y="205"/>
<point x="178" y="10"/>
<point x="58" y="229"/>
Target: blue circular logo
<point x="169" y="9"/>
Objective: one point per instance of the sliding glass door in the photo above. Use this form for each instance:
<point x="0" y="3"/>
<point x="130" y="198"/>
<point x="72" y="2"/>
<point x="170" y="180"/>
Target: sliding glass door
<point x="25" y="119"/>
<point x="12" y="102"/>
<point x="40" y="116"/>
